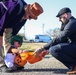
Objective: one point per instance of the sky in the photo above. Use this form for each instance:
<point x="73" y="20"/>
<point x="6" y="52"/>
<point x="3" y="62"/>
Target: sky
<point x="48" y="18"/>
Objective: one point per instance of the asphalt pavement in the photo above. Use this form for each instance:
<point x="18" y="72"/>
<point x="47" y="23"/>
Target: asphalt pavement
<point x="47" y="66"/>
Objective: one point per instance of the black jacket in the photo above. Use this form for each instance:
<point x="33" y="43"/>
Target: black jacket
<point x="69" y="32"/>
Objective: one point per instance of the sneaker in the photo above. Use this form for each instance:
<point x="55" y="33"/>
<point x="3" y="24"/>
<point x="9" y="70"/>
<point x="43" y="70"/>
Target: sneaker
<point x="11" y="69"/>
<point x="14" y="69"/>
<point x="20" y="68"/>
<point x="3" y="68"/>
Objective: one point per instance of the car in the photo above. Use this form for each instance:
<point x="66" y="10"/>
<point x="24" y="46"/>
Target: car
<point x="42" y="38"/>
<point x="31" y="40"/>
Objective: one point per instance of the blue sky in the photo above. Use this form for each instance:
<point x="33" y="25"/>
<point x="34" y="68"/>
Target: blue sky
<point x="48" y="18"/>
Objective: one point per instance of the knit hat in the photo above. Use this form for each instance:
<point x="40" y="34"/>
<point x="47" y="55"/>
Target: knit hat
<point x="34" y="10"/>
<point x="17" y="38"/>
<point x="62" y="11"/>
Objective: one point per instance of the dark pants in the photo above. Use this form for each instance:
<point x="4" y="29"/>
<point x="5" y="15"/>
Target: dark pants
<point x="64" y="52"/>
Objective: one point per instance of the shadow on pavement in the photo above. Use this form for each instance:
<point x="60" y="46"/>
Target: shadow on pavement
<point x="54" y="70"/>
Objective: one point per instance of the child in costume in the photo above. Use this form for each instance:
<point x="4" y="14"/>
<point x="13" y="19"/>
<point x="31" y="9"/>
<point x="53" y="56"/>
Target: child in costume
<point x="16" y="41"/>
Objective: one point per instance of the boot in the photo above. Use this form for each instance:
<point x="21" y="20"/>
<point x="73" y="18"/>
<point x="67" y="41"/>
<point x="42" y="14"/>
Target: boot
<point x="73" y="71"/>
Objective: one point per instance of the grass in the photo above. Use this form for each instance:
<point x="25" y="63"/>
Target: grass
<point x="31" y="46"/>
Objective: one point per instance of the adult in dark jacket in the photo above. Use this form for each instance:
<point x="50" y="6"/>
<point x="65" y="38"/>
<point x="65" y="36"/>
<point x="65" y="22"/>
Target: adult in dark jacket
<point x="13" y="15"/>
<point x="63" y="47"/>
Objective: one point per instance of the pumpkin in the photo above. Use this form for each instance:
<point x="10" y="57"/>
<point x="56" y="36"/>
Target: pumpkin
<point x="33" y="58"/>
<point x="21" y="59"/>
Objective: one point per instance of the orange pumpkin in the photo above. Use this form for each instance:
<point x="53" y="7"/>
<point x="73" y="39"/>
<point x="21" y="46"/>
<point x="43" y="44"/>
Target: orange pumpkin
<point x="32" y="58"/>
<point x="21" y="59"/>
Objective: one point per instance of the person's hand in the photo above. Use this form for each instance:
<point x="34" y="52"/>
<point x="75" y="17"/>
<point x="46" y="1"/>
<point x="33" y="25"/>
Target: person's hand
<point x="21" y="51"/>
<point x="46" y="52"/>
<point x="43" y="53"/>
<point x="38" y="51"/>
<point x="24" y="50"/>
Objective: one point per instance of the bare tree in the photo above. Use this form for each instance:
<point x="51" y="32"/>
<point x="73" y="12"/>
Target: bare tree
<point x="53" y="32"/>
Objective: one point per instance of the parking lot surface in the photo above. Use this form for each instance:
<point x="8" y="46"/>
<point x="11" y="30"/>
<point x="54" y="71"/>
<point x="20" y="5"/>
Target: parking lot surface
<point x="47" y="66"/>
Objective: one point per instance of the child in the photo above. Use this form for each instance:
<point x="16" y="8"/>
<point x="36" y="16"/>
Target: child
<point x="16" y="41"/>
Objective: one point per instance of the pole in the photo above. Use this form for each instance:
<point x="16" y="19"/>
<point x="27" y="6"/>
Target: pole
<point x="43" y="28"/>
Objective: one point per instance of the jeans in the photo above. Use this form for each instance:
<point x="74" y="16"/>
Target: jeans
<point x="65" y="53"/>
